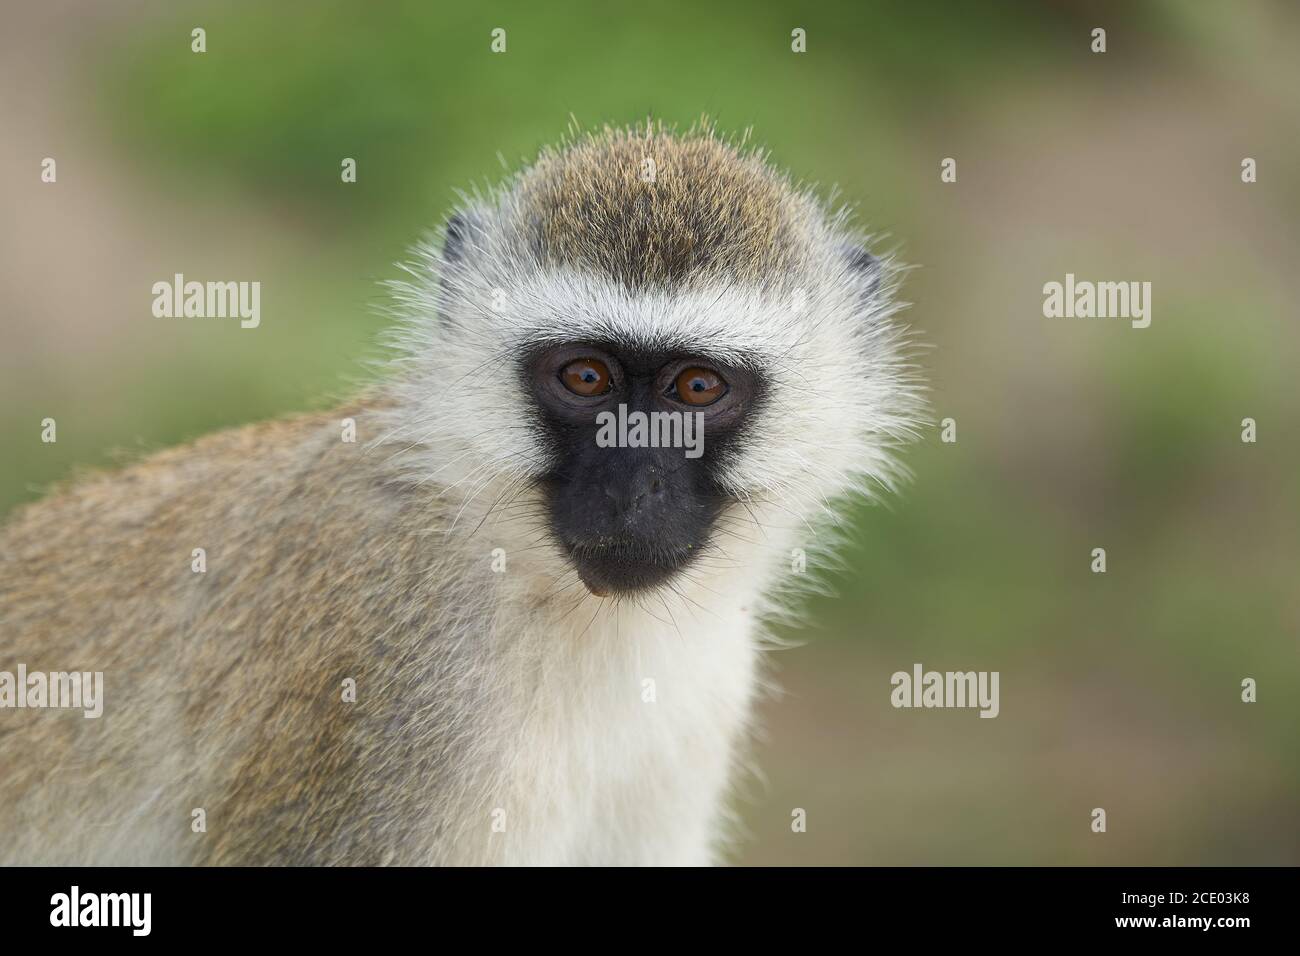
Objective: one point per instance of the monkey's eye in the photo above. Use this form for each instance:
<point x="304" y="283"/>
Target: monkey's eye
<point x="587" y="377"/>
<point x="699" y="386"/>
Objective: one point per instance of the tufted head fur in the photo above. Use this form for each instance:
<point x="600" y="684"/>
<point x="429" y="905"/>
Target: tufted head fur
<point x="654" y="210"/>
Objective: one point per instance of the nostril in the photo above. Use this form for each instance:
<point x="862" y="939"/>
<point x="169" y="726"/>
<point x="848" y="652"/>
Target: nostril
<point x="632" y="497"/>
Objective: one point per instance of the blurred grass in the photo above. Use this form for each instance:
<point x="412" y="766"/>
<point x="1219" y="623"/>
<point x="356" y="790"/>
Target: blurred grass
<point x="415" y="96"/>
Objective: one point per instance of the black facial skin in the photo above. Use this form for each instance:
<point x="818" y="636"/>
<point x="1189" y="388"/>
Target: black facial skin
<point x="631" y="518"/>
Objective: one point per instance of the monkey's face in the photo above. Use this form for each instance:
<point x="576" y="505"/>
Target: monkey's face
<point x="639" y="440"/>
<point x="648" y="436"/>
<point x="654" y="370"/>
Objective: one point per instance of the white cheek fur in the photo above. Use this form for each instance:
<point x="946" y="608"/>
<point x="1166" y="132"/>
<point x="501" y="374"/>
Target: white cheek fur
<point x="840" y="391"/>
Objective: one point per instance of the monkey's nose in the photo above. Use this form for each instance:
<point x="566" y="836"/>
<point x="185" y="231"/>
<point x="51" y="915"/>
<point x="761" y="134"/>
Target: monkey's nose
<point x="630" y="495"/>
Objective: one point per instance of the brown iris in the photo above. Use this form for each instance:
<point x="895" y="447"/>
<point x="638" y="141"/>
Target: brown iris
<point x="587" y="377"/>
<point x="700" y="386"/>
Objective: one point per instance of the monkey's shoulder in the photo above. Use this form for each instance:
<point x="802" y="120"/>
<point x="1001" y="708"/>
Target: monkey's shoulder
<point x="235" y="510"/>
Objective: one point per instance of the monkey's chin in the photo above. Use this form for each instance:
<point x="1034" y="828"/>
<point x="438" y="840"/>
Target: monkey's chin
<point x="597" y="589"/>
<point x="614" y="574"/>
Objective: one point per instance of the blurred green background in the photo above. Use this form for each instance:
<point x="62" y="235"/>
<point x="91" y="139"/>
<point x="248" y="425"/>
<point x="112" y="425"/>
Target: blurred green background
<point x="1119" y="690"/>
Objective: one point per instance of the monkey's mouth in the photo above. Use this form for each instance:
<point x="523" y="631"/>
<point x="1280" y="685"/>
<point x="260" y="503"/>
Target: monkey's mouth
<point x="626" y="568"/>
<point x="629" y="524"/>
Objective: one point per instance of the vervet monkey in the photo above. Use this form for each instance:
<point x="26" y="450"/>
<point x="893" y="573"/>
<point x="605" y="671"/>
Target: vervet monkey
<point x="477" y="634"/>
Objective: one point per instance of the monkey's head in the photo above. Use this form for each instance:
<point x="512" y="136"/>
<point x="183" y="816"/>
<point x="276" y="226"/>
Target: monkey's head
<point x="649" y="333"/>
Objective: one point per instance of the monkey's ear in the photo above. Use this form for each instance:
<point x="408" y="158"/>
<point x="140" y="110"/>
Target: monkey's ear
<point x="463" y="236"/>
<point x="453" y="240"/>
<point x="864" y="268"/>
<point x="464" y="239"/>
